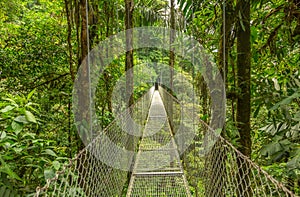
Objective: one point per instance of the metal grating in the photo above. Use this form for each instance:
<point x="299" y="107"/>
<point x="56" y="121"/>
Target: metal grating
<point x="159" y="160"/>
<point x="158" y="186"/>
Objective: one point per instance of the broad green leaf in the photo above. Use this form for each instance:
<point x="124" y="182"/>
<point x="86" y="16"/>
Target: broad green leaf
<point x="11" y="101"/>
<point x="285" y="143"/>
<point x="29" y="135"/>
<point x="30" y="117"/>
<point x="29" y="106"/>
<point x="49" y="173"/>
<point x="277" y="138"/>
<point x="2" y="135"/>
<point x="294" y="131"/>
<point x="21" y="119"/>
<point x="297" y="116"/>
<point x="271" y="149"/>
<point x="286" y="101"/>
<point x="294" y="163"/>
<point x="8" y="157"/>
<point x="7" y="108"/>
<point x="50" y="152"/>
<point x="18" y="149"/>
<point x="34" y="166"/>
<point x="269" y="129"/>
<point x="17" y="127"/>
<point x="277" y="156"/>
<point x="56" y="165"/>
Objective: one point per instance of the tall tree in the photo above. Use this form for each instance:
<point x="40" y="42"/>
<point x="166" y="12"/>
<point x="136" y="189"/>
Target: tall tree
<point x="243" y="101"/>
<point x="243" y="75"/>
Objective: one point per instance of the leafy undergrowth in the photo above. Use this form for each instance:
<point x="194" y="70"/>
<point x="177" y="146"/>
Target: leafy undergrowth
<point x="27" y="158"/>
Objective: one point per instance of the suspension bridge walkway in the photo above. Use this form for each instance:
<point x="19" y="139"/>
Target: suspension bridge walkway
<point x="166" y="160"/>
<point x="158" y="170"/>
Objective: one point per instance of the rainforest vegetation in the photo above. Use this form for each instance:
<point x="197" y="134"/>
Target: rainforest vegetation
<point x="43" y="43"/>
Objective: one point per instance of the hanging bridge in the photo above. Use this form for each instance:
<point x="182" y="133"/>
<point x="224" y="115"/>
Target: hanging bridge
<point x="175" y="156"/>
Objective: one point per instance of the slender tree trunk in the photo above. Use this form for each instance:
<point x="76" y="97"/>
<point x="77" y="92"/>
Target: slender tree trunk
<point x="129" y="6"/>
<point x="83" y="77"/>
<point x="69" y="40"/>
<point x="172" y="38"/>
<point x="129" y="53"/>
<point x="229" y="22"/>
<point x="93" y="22"/>
<point x="84" y="30"/>
<point x="83" y="117"/>
<point x="69" y="21"/>
<point x="171" y="62"/>
<point x="243" y="101"/>
<point x="77" y="24"/>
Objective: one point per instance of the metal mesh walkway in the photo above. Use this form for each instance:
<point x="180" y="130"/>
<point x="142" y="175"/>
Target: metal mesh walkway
<point x="157" y="170"/>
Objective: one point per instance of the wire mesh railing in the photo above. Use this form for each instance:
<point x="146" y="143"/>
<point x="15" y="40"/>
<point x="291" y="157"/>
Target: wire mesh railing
<point x="214" y="166"/>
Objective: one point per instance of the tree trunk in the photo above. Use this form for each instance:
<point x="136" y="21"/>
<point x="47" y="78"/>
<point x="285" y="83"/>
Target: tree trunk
<point x="243" y="76"/>
<point x="172" y="38"/>
<point x="129" y="52"/>
<point x="171" y="62"/>
<point x="129" y="6"/>
<point x="224" y="54"/>
<point x="84" y="30"/>
<point x="243" y="101"/>
<point x="83" y="117"/>
<point x="83" y="87"/>
<point x="69" y="22"/>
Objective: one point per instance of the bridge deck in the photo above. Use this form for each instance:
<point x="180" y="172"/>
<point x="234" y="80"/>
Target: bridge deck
<point x="157" y="170"/>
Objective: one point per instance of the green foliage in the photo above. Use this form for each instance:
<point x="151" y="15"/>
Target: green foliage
<point x="25" y="154"/>
<point x="276" y="89"/>
<point x="33" y="70"/>
<point x="284" y="145"/>
<point x="150" y="12"/>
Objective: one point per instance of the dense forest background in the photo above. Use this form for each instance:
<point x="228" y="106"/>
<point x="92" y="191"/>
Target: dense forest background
<point x="43" y="42"/>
